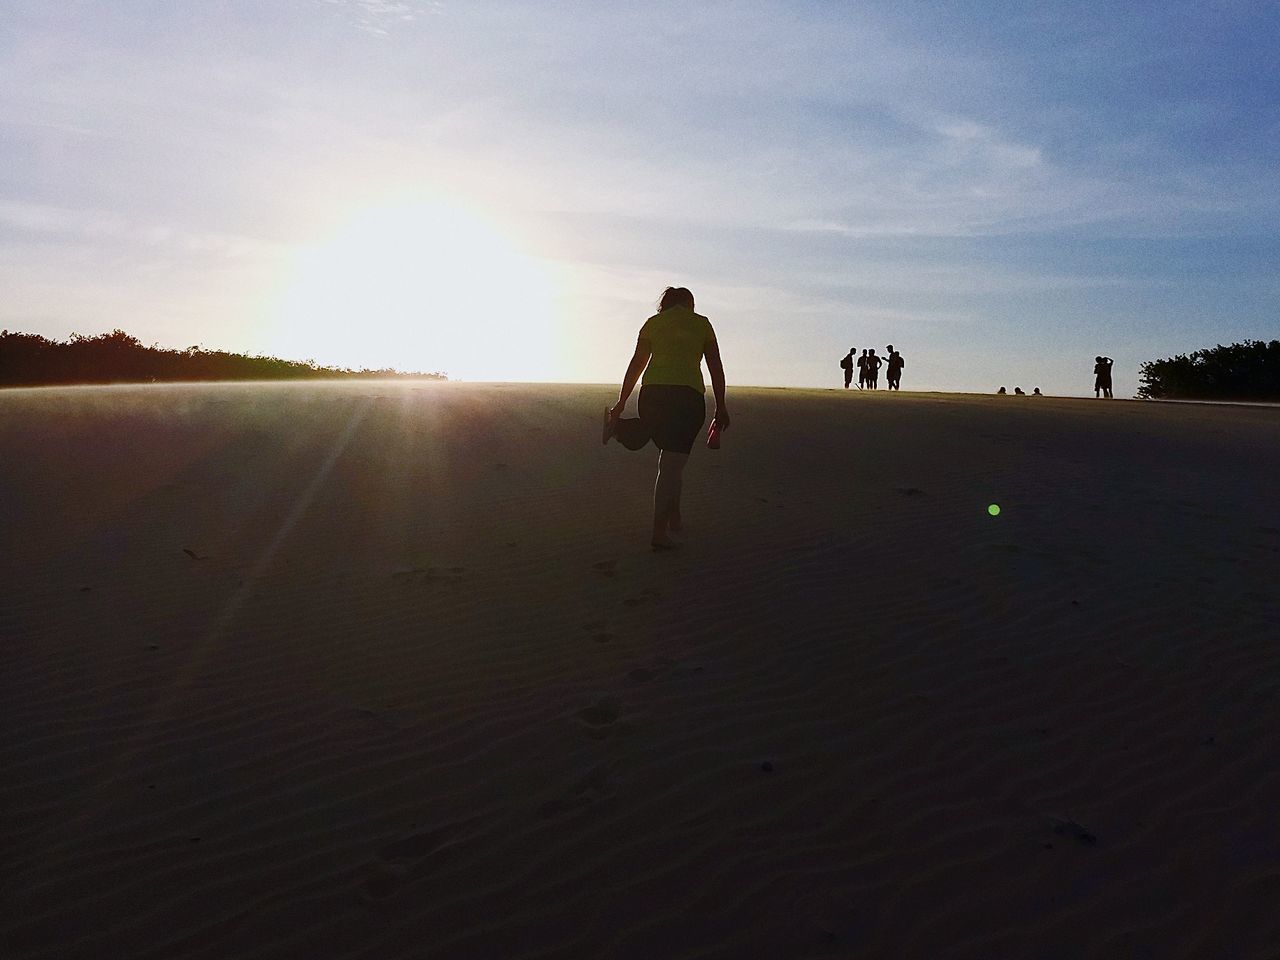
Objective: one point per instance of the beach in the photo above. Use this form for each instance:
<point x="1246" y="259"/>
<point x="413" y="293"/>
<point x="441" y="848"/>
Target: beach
<point x="389" y="670"/>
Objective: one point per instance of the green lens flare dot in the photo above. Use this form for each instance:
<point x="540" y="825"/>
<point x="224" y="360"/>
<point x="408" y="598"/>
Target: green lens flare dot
<point x="994" y="509"/>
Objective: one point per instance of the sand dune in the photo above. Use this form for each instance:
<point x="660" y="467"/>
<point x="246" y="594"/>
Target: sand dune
<point x="387" y="670"/>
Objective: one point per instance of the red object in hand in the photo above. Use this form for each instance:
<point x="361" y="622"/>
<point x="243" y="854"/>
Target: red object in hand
<point x="713" y="435"/>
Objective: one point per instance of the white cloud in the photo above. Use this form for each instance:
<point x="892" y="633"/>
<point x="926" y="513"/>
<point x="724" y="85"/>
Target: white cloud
<point x="378" y="17"/>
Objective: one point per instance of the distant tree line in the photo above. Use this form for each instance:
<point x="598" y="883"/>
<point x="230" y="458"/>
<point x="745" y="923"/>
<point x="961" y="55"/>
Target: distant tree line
<point x="1241" y="371"/>
<point x="27" y="359"/>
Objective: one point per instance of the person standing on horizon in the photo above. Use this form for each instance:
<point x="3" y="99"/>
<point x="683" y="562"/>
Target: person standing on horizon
<point x="893" y="368"/>
<point x="669" y="352"/>
<point x="846" y="364"/>
<point x="862" y="370"/>
<point x="873" y="370"/>
<point x="1102" y="377"/>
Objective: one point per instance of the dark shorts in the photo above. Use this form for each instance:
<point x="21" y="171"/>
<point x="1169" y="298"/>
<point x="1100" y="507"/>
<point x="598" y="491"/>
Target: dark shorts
<point x="672" y="415"/>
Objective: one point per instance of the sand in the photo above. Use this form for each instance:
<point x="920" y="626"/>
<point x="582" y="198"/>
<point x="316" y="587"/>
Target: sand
<point x="388" y="670"/>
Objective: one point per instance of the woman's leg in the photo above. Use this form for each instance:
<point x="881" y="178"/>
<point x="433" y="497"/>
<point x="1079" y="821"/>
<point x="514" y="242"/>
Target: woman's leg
<point x="666" y="495"/>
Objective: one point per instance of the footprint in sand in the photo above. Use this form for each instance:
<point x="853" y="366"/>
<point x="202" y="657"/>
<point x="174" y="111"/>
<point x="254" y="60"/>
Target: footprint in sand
<point x="660" y="667"/>
<point x="400" y="860"/>
<point x="413" y="847"/>
<point x="602" y="713"/>
<point x="427" y="574"/>
<point x="1073" y="831"/>
<point x="595" y="785"/>
<point x="606" y="568"/>
<point x="597" y="630"/>
<point x="644" y="596"/>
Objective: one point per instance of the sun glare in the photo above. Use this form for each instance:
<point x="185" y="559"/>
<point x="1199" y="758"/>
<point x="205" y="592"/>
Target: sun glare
<point x="420" y="286"/>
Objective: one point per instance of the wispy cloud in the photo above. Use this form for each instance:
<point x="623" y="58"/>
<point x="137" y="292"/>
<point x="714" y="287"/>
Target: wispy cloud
<point x="90" y="226"/>
<point x="379" y="17"/>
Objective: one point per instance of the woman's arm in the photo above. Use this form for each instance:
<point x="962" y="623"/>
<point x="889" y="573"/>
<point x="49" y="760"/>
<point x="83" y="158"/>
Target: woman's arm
<point x="716" y="368"/>
<point x="639" y="360"/>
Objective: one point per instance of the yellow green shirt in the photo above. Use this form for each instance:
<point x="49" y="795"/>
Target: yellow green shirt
<point x="677" y="336"/>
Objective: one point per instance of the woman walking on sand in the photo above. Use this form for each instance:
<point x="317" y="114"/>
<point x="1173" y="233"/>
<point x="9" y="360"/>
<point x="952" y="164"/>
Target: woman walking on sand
<point x="669" y="351"/>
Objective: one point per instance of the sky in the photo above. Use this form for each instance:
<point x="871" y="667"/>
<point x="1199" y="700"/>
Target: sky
<point x="501" y="191"/>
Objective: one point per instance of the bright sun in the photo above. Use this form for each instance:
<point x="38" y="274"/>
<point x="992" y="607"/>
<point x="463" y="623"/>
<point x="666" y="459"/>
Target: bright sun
<point x="420" y="286"/>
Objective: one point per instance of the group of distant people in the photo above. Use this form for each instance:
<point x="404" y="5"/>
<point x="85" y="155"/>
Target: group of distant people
<point x="1101" y="381"/>
<point x="868" y="366"/>
<point x="869" y="363"/>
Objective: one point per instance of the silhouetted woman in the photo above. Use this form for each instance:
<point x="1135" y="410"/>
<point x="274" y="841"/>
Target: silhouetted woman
<point x="1102" y="377"/>
<point x="669" y="351"/>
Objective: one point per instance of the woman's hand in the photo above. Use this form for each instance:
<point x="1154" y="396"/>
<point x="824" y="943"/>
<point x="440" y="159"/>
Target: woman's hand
<point x="639" y="360"/>
<point x="722" y="418"/>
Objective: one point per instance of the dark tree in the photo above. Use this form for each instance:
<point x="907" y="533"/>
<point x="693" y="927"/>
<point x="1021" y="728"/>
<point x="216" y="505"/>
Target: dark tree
<point x="27" y="359"/>
<point x="1242" y="371"/>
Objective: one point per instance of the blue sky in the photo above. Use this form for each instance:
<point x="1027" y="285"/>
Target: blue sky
<point x="999" y="189"/>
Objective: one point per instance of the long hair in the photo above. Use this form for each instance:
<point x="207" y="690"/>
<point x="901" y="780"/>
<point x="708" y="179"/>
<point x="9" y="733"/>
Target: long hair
<point x="675" y="297"/>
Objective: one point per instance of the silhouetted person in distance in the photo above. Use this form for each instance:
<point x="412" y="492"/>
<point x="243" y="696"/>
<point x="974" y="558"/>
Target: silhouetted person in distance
<point x="893" y="368"/>
<point x="1017" y="392"/>
<point x="1036" y="392"/>
<point x="1001" y="391"/>
<point x="873" y="370"/>
<point x="846" y="364"/>
<point x="669" y="352"/>
<point x="1102" y="377"/>
<point x="862" y="369"/>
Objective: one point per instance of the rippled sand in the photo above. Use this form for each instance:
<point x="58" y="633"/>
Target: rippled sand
<point x="388" y="670"/>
